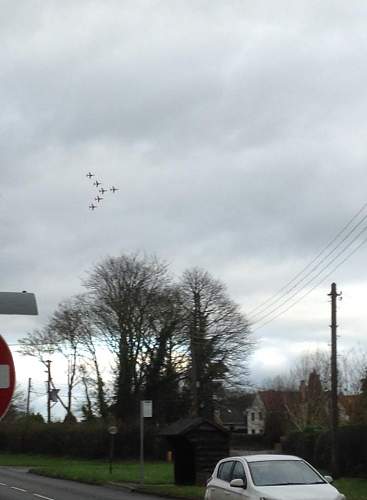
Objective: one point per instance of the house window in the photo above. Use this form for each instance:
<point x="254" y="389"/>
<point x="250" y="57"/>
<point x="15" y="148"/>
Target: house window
<point x="253" y="431"/>
<point x="260" y="415"/>
<point x="252" y="416"/>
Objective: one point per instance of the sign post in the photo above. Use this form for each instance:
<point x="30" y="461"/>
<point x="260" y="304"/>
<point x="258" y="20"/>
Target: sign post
<point x="112" y="430"/>
<point x="146" y="411"/>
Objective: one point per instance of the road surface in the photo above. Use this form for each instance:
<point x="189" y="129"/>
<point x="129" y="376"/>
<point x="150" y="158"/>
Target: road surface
<point x="18" y="484"/>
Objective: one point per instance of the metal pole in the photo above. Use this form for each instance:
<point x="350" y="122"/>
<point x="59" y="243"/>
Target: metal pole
<point x="29" y="396"/>
<point x="141" y="443"/>
<point x="112" y="449"/>
<point x="48" y="363"/>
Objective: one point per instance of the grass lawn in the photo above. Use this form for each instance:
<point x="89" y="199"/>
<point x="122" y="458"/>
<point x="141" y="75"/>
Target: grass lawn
<point x="156" y="473"/>
<point x="158" y="478"/>
<point x="92" y="471"/>
<point x="353" y="488"/>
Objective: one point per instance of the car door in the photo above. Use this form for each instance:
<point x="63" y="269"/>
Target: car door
<point x="219" y="485"/>
<point x="235" y="493"/>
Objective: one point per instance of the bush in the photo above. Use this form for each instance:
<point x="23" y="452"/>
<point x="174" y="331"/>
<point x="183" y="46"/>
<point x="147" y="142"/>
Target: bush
<point x="81" y="440"/>
<point x="315" y="447"/>
<point x="322" y="450"/>
<point x="302" y="444"/>
<point x="353" y="450"/>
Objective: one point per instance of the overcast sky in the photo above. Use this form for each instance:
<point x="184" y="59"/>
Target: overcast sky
<point x="234" y="130"/>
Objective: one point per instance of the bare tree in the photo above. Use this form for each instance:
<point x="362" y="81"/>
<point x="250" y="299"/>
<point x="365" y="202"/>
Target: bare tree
<point x="124" y="294"/>
<point x="308" y="382"/>
<point x="218" y="335"/>
<point x="352" y="365"/>
<point x="41" y="344"/>
<point x="65" y="326"/>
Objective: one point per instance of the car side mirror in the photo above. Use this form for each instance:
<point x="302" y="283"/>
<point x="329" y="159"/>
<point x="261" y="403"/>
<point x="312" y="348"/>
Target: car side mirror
<point x="329" y="479"/>
<point x="238" y="483"/>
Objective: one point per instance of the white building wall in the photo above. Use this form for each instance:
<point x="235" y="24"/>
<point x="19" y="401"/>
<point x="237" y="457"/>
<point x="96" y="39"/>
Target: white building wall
<point x="256" y="417"/>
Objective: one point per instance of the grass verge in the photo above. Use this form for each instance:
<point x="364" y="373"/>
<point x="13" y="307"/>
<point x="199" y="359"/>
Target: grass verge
<point x="352" y="488"/>
<point x="158" y="477"/>
<point x="156" y="473"/>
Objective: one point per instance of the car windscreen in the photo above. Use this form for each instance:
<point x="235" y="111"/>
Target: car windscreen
<point x="282" y="472"/>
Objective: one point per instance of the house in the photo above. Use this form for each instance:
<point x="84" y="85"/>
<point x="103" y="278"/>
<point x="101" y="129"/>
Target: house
<point x="256" y="415"/>
<point x="278" y="411"/>
<point x="231" y="413"/>
<point x="351" y="409"/>
<point x="250" y="413"/>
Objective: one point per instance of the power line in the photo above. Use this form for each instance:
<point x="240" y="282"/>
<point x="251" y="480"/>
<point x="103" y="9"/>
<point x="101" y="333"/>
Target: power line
<point x="273" y="299"/>
<point x="324" y="278"/>
<point x="339" y="254"/>
<point x="315" y="268"/>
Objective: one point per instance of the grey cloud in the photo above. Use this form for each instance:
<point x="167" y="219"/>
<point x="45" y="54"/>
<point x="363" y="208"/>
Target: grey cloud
<point x="235" y="132"/>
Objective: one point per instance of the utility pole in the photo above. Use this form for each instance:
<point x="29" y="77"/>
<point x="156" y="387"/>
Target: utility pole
<point x="29" y="395"/>
<point x="194" y="344"/>
<point x="334" y="421"/>
<point x="48" y="364"/>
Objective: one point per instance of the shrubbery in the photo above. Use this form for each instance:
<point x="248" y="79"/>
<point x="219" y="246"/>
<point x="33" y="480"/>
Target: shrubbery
<point x="302" y="444"/>
<point x="82" y="440"/>
<point x="315" y="446"/>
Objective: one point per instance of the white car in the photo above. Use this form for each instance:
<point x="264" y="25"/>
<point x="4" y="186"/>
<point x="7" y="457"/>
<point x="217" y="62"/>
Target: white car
<point x="268" y="477"/>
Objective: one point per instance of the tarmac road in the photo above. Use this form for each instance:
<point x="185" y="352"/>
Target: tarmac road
<point x="19" y="484"/>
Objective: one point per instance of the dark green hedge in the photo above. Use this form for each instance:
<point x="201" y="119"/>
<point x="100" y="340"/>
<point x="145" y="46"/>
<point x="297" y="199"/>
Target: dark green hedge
<point x="302" y="444"/>
<point x="80" y="440"/>
<point x="315" y="447"/>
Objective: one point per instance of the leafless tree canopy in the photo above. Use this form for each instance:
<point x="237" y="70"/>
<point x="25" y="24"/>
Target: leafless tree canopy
<point x="169" y="339"/>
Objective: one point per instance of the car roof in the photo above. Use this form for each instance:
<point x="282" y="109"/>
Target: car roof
<point x="266" y="457"/>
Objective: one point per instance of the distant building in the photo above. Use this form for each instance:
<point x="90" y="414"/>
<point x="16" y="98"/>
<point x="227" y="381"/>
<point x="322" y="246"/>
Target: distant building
<point x="278" y="411"/>
<point x="232" y="412"/>
<point x="256" y="416"/>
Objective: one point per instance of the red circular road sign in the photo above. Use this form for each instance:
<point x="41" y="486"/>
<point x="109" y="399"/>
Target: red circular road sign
<point x="7" y="377"/>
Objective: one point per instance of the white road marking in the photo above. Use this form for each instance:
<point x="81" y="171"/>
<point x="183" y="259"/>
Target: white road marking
<point x="18" y="489"/>
<point x="3" y="484"/>
<point x="41" y="496"/>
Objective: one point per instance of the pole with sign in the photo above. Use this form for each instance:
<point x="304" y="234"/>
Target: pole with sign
<point x="146" y="411"/>
<point x="112" y="430"/>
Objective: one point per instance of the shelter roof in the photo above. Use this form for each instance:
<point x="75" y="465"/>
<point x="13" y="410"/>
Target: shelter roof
<point x="185" y="425"/>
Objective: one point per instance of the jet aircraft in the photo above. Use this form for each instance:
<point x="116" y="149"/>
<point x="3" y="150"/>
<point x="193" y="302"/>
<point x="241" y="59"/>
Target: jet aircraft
<point x="102" y="190"/>
<point x="96" y="183"/>
<point x="90" y="175"/>
<point x="98" y="198"/>
<point x="113" y="189"/>
<point x="92" y="207"/>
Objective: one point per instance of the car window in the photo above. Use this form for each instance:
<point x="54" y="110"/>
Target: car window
<point x="238" y="471"/>
<point x="282" y="472"/>
<point x="224" y="471"/>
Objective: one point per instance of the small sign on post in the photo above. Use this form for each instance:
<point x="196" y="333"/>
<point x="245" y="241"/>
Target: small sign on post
<point x="146" y="411"/>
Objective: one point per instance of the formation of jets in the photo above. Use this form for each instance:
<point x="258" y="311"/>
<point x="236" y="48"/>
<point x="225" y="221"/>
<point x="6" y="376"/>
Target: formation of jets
<point x="101" y="191"/>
